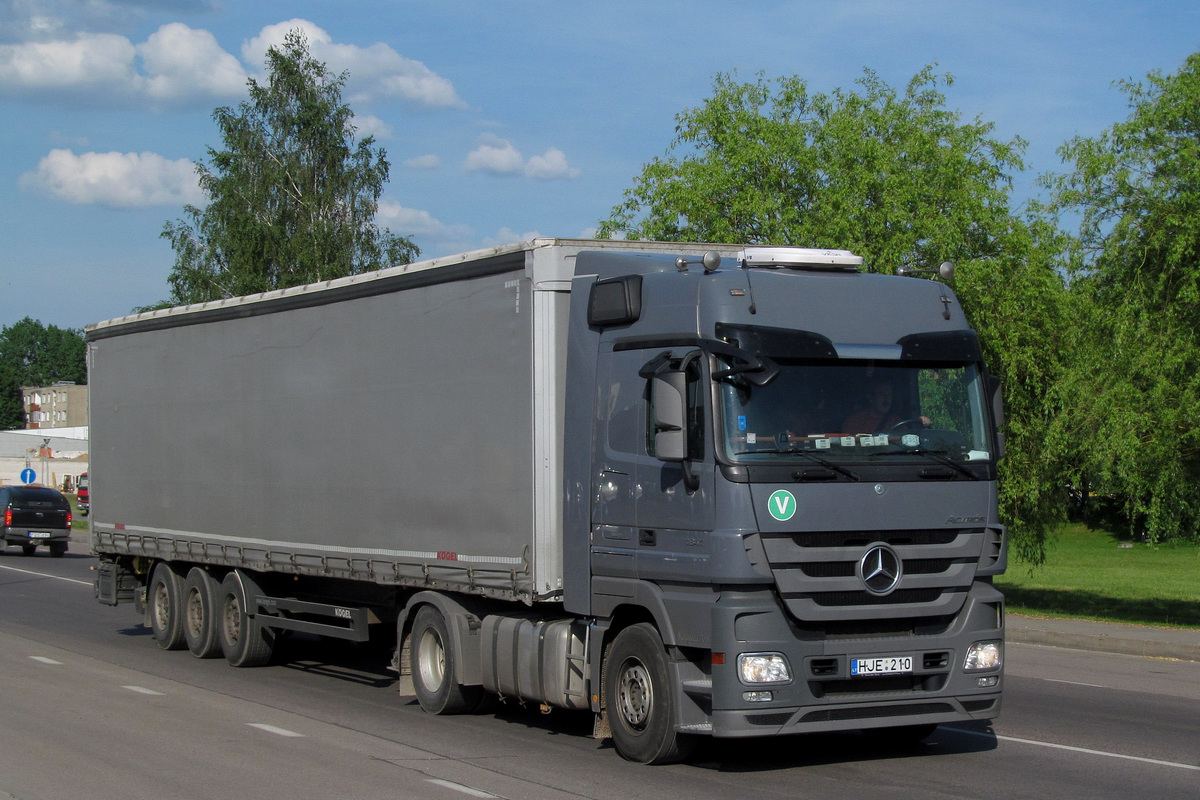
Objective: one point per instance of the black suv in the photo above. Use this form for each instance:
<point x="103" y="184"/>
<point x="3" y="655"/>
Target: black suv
<point x="34" y="515"/>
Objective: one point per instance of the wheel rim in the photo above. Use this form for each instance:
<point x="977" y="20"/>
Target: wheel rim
<point x="431" y="660"/>
<point x="195" y="614"/>
<point x="162" y="605"/>
<point x="635" y="694"/>
<point x="232" y="619"/>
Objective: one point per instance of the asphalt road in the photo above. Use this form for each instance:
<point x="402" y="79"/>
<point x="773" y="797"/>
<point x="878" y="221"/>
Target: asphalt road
<point x="90" y="707"/>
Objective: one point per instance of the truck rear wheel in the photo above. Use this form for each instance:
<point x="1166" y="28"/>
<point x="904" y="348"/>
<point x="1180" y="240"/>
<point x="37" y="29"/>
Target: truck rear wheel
<point x="638" y="699"/>
<point x="200" y="616"/>
<point x="245" y="641"/>
<point x="433" y="662"/>
<point x="164" y="607"/>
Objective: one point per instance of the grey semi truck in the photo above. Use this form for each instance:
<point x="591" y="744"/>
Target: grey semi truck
<point x="695" y="490"/>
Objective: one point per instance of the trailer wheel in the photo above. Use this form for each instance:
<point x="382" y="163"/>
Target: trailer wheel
<point x="200" y="616"/>
<point x="433" y="662"/>
<point x="164" y="606"/>
<point x="638" y="699"/>
<point x="245" y="641"/>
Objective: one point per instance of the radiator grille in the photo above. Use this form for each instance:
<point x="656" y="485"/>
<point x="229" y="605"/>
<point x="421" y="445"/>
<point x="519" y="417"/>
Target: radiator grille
<point x="818" y="572"/>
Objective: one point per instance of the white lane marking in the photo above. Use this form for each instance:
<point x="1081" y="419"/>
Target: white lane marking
<point x="458" y="787"/>
<point x="1075" y="683"/>
<point x="143" y="690"/>
<point x="44" y="660"/>
<point x="1088" y="751"/>
<point x="44" y="575"/>
<point x="277" y="731"/>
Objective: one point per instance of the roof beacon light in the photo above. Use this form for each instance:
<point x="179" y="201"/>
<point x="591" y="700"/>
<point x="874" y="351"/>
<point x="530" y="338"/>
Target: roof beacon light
<point x="799" y="258"/>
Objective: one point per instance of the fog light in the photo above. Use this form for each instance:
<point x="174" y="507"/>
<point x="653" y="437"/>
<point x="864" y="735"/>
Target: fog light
<point x="763" y="668"/>
<point x="984" y="655"/>
<point x="757" y="697"/>
<point x="988" y="680"/>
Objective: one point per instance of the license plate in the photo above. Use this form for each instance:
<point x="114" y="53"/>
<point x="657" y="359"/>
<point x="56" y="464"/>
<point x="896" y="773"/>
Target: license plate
<point x="888" y="665"/>
<point x="39" y="534"/>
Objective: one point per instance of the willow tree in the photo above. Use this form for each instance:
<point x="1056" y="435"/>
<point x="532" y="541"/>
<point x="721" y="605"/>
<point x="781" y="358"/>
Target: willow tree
<point x="292" y="196"/>
<point x="901" y="180"/>
<point x="1136" y="278"/>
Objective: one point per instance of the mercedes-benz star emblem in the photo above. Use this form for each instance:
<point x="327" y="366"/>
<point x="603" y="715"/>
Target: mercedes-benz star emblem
<point x="880" y="569"/>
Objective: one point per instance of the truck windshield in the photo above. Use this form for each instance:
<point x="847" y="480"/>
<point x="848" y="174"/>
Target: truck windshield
<point x="850" y="411"/>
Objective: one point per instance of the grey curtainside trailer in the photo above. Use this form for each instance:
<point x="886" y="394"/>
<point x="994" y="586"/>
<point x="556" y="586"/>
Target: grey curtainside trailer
<point x="655" y="481"/>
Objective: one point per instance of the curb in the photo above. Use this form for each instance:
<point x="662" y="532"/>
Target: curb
<point x="1105" y="637"/>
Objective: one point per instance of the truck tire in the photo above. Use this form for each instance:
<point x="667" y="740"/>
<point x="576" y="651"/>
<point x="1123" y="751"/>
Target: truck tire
<point x="244" y="640"/>
<point x="58" y="549"/>
<point x="433" y="663"/>
<point x="164" y="607"/>
<point x="638" y="699"/>
<point x="200" y="616"/>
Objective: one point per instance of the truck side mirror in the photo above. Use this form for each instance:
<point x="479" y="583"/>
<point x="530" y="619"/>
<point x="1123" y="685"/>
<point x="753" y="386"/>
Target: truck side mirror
<point x="668" y="399"/>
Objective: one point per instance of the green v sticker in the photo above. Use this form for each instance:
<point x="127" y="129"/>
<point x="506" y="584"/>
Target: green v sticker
<point x="782" y="505"/>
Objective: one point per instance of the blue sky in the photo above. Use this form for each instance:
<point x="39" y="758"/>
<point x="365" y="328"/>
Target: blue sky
<point x="501" y="120"/>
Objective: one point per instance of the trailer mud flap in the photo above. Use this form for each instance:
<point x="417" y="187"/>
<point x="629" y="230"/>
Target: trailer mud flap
<point x="115" y="584"/>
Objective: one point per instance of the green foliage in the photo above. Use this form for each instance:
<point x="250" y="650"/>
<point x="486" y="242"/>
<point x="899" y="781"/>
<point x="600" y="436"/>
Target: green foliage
<point x="1088" y="574"/>
<point x="33" y="354"/>
<point x="1136" y="287"/>
<point x="292" y="198"/>
<point x="900" y="178"/>
<point x="902" y="181"/>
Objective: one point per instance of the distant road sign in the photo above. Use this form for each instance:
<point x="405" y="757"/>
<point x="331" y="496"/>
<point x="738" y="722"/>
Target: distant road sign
<point x="28" y="475"/>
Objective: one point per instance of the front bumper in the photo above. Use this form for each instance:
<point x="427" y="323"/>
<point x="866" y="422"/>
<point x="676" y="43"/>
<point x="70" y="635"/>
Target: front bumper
<point x="823" y="695"/>
<point x="34" y="536"/>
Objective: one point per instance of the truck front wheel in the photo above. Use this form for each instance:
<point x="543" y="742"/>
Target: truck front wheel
<point x="163" y="606"/>
<point x="638" y="699"/>
<point x="433" y="662"/>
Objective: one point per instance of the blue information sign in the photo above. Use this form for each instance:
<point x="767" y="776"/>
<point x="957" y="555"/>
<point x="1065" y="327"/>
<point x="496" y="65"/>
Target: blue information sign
<point x="28" y="475"/>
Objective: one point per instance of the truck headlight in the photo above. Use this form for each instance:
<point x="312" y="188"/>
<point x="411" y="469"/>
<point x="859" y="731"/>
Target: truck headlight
<point x="984" y="655"/>
<point x="756" y="668"/>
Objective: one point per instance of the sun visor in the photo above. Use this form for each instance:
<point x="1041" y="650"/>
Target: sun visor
<point x="871" y="352"/>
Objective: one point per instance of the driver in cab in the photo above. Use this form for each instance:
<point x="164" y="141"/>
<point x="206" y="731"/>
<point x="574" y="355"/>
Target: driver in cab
<point x="878" y="415"/>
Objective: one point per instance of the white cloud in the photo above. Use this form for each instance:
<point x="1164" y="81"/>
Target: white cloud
<point x="90" y="60"/>
<point x="376" y="72"/>
<point x="177" y="63"/>
<point x="181" y="61"/>
<point x="115" y="179"/>
<point x="369" y="125"/>
<point x="501" y="157"/>
<point x="550" y="165"/>
<point x="414" y="222"/>
<point x="509" y="236"/>
<point x="495" y="155"/>
<point x="429" y="161"/>
<point x="174" y="63"/>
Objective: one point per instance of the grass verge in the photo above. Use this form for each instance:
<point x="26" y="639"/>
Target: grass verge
<point x="1090" y="574"/>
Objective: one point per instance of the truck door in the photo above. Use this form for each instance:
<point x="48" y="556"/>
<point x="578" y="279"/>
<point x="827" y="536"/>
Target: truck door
<point x="647" y="523"/>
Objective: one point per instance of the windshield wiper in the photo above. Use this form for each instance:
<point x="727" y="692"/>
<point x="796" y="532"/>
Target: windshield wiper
<point x="933" y="455"/>
<point x="784" y="451"/>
